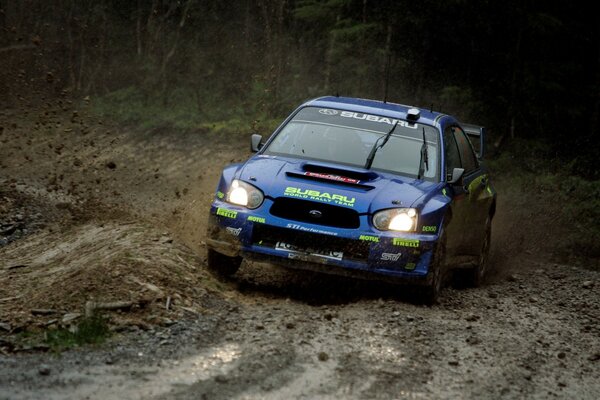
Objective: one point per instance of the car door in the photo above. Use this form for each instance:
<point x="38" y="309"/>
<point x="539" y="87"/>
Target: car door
<point x="477" y="197"/>
<point x="455" y="229"/>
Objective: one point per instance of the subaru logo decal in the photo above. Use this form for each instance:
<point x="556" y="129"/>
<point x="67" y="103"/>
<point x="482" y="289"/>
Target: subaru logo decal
<point x="327" y="111"/>
<point x="315" y="213"/>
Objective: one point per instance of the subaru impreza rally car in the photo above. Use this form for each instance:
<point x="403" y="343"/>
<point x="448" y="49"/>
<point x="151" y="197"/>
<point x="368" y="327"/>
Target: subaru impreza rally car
<point x="361" y="188"/>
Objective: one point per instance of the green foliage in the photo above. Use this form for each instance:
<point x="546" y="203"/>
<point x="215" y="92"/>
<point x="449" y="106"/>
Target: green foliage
<point x="319" y="11"/>
<point x="528" y="169"/>
<point x="578" y="206"/>
<point x="459" y="101"/>
<point x="131" y="106"/>
<point x="582" y="200"/>
<point x="93" y="330"/>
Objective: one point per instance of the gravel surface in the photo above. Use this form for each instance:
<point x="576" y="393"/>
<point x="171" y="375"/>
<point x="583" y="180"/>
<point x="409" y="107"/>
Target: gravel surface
<point x="532" y="331"/>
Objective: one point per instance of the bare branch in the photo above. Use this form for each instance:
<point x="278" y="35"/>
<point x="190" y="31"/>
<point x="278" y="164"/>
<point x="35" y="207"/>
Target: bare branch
<point x="17" y="47"/>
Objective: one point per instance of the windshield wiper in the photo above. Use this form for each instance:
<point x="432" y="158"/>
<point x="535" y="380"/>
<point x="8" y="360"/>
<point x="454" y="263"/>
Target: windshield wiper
<point x="377" y="146"/>
<point x="424" y="157"/>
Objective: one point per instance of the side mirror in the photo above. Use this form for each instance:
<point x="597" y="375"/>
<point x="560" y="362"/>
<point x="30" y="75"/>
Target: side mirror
<point x="457" y="174"/>
<point x="256" y="142"/>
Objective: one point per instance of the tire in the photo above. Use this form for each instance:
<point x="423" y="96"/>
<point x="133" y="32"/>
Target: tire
<point x="431" y="292"/>
<point x="222" y="264"/>
<point x="477" y="274"/>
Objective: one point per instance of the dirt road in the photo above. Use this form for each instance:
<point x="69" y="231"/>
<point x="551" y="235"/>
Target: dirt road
<point x="109" y="213"/>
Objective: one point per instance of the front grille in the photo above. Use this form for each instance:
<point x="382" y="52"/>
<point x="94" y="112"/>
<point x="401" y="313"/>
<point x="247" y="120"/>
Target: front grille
<point x="268" y="236"/>
<point x="315" y="213"/>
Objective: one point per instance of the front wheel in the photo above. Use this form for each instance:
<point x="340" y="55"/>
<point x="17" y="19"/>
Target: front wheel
<point x="478" y="273"/>
<point x="431" y="292"/>
<point x="222" y="264"/>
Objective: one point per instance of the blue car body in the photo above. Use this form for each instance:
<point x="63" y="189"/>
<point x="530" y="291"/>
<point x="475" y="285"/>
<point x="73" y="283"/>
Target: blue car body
<point x="318" y="214"/>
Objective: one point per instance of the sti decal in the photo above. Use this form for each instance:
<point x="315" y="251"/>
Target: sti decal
<point x="390" y="256"/>
<point x="307" y="229"/>
<point x="323" y="197"/>
<point x="234" y="231"/>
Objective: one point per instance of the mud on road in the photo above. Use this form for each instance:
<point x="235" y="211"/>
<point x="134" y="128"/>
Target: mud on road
<point x="96" y="212"/>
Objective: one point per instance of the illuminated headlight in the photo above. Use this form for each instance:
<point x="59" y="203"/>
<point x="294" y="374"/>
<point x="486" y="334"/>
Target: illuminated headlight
<point x="396" y="219"/>
<point x="244" y="194"/>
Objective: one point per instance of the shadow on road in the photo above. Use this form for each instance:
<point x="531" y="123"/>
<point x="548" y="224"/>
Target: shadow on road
<point x="316" y="289"/>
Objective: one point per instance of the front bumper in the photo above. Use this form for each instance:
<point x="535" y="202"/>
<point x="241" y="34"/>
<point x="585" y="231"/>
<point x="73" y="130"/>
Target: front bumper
<point x="367" y="254"/>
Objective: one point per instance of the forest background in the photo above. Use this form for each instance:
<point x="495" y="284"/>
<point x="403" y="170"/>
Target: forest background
<point x="528" y="70"/>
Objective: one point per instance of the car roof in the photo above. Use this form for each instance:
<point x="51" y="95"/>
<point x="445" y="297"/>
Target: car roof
<point x="387" y="109"/>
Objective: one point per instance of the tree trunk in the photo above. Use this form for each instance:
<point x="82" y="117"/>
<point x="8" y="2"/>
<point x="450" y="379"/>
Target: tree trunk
<point x="138" y="29"/>
<point x="167" y="57"/>
<point x="512" y="102"/>
<point x="595" y="120"/>
<point x="385" y="75"/>
<point x="71" y="41"/>
<point x="329" y="61"/>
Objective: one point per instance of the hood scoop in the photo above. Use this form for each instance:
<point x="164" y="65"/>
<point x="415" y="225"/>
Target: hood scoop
<point x="338" y="176"/>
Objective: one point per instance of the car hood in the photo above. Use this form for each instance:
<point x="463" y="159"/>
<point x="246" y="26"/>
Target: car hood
<point x="365" y="191"/>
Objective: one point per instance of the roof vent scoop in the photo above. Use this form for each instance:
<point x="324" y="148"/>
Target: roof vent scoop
<point x="413" y="114"/>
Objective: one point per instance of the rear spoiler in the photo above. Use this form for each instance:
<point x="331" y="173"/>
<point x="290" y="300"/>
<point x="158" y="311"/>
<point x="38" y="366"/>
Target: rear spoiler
<point x="477" y="136"/>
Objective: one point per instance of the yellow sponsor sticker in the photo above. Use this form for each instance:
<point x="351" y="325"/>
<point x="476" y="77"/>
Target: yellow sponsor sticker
<point x="405" y="242"/>
<point x="256" y="219"/>
<point x="223" y="212"/>
<point x="369" y="238"/>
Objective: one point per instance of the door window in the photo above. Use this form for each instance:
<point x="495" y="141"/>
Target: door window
<point x="467" y="156"/>
<point x="451" y="151"/>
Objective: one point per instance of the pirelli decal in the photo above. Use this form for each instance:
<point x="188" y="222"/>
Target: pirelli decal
<point x="223" y="212"/>
<point x="405" y="242"/>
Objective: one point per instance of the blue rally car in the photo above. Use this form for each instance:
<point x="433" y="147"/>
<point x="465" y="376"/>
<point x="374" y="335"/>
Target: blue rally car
<point x="362" y="188"/>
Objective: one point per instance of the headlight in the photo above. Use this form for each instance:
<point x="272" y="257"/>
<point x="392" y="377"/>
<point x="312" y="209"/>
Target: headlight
<point x="244" y="194"/>
<point x="396" y="219"/>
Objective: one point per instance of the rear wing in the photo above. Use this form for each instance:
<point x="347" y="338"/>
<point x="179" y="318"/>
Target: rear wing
<point x="477" y="136"/>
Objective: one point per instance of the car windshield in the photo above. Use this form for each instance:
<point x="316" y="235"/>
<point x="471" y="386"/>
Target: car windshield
<point x="347" y="137"/>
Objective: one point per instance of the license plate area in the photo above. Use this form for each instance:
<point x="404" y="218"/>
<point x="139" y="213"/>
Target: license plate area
<point x="328" y="254"/>
<point x="268" y="236"/>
